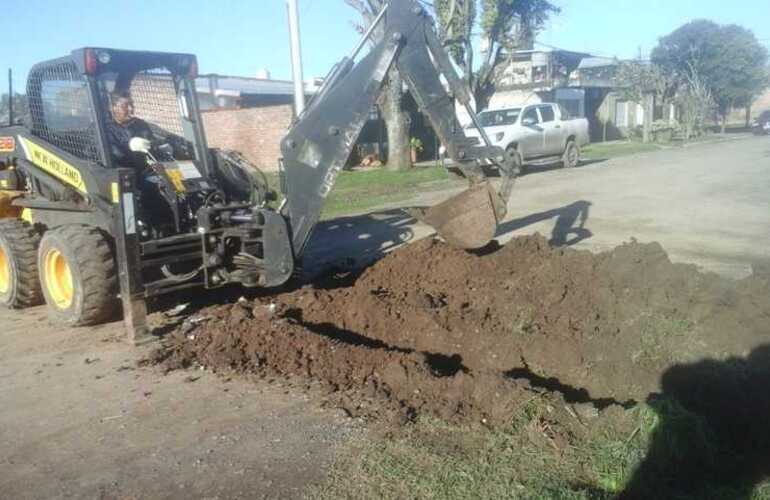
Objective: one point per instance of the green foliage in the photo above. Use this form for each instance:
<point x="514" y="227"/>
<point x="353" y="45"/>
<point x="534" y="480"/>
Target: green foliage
<point x="416" y="144"/>
<point x="514" y="23"/>
<point x="456" y="19"/>
<point x="506" y="25"/>
<point x="637" y="79"/>
<point x="728" y="58"/>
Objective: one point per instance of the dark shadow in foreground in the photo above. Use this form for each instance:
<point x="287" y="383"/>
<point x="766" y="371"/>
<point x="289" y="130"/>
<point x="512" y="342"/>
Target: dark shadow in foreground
<point x="713" y="435"/>
<point x="570" y="220"/>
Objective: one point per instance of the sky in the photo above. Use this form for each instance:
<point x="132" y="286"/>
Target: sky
<point x="241" y="37"/>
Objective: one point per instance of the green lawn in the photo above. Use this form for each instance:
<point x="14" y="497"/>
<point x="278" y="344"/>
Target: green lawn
<point x="641" y="450"/>
<point x="606" y="150"/>
<point x="362" y="190"/>
<point x="359" y="191"/>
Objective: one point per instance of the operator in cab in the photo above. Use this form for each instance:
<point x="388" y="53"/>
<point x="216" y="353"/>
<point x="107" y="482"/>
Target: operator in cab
<point x="123" y="127"/>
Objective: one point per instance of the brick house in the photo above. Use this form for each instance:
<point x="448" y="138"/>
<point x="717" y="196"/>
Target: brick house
<point x="250" y="115"/>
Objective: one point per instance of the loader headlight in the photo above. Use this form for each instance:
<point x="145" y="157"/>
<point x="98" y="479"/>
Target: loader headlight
<point x="499" y="136"/>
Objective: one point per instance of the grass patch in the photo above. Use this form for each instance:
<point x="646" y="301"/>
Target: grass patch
<point x="358" y="191"/>
<point x="657" y="450"/>
<point x="657" y="336"/>
<point x="436" y="460"/>
<point x="607" y="150"/>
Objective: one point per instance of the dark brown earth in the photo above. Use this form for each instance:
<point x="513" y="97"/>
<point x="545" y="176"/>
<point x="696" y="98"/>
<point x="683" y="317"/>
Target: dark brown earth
<point x="469" y="337"/>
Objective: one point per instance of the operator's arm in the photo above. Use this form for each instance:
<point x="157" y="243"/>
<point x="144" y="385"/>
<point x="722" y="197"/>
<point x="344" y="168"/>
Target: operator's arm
<point x="140" y="128"/>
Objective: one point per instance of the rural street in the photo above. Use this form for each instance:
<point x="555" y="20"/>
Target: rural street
<point x="707" y="204"/>
<point x="79" y="419"/>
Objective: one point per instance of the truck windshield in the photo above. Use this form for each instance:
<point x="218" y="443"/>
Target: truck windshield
<point x="499" y="117"/>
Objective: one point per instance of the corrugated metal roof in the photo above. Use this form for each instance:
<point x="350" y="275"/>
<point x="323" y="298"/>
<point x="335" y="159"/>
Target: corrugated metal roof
<point x="597" y="62"/>
<point x="237" y="85"/>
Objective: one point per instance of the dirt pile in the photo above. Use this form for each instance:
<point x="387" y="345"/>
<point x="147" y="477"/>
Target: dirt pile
<point x="430" y="328"/>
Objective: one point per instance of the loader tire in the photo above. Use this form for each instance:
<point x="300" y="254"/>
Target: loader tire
<point x="78" y="276"/>
<point x="19" y="281"/>
<point x="571" y="157"/>
<point x="514" y="160"/>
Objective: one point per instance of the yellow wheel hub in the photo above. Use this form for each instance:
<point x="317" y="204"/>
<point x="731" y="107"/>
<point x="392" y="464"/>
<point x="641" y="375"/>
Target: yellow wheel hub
<point x="5" y="272"/>
<point x="58" y="278"/>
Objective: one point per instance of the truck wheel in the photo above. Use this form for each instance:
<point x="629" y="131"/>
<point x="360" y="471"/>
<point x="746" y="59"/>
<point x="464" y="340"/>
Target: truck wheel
<point x="571" y="156"/>
<point x="513" y="158"/>
<point x="77" y="274"/>
<point x="19" y="281"/>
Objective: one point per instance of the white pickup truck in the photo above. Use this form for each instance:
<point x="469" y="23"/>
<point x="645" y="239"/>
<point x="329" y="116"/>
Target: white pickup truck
<point x="535" y="134"/>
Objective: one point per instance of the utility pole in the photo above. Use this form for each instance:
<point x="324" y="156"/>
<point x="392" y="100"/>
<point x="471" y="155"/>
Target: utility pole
<point x="296" y="57"/>
<point x="10" y="97"/>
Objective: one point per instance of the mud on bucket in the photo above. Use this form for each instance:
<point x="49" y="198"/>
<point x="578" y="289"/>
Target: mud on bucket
<point x="467" y="220"/>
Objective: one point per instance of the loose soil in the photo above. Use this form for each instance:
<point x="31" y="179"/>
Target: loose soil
<point x="430" y="329"/>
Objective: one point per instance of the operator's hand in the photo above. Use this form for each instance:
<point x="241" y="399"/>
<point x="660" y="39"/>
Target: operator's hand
<point x="139" y="145"/>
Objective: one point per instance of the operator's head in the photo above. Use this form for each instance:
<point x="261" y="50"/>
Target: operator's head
<point x="122" y="106"/>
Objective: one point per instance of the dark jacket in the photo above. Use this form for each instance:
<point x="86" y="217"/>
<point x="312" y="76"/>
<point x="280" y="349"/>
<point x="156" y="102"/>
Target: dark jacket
<point x="118" y="137"/>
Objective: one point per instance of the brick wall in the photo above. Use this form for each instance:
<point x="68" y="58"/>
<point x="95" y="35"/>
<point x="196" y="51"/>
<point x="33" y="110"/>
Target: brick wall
<point x="255" y="132"/>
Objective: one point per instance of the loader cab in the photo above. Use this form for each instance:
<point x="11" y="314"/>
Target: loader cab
<point x="69" y="101"/>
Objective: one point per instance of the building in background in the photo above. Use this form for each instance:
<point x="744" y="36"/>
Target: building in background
<point x="585" y="85"/>
<point x="250" y="115"/>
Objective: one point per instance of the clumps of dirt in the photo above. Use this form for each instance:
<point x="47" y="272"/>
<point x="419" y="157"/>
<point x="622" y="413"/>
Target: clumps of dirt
<point x="470" y="337"/>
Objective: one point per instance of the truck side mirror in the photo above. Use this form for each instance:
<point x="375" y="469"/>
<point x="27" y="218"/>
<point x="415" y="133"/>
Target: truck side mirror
<point x="528" y="122"/>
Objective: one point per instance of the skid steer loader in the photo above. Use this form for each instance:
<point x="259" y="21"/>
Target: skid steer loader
<point x="84" y="233"/>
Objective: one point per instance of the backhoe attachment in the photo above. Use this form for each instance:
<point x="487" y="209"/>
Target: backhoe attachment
<point x="320" y="141"/>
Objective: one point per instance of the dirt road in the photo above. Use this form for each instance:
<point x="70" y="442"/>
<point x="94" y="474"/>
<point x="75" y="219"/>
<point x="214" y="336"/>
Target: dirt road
<point x="79" y="419"/>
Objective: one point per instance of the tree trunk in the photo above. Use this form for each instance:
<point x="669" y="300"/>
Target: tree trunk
<point x="648" y="105"/>
<point x="396" y="123"/>
<point x="724" y="123"/>
<point x="748" y="115"/>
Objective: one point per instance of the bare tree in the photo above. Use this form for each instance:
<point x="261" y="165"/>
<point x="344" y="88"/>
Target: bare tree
<point x="644" y="84"/>
<point x="390" y="102"/>
<point x="695" y="101"/>
<point x="506" y="25"/>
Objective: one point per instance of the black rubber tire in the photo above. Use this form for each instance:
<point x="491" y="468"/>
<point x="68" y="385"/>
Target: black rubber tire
<point x="571" y="158"/>
<point x="19" y="242"/>
<point x="512" y="157"/>
<point x="94" y="278"/>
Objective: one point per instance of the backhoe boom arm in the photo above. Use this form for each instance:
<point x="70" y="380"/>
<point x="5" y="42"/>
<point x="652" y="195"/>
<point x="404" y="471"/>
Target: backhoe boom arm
<point x="320" y="141"/>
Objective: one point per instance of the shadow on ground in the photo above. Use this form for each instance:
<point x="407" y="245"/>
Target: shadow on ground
<point x="355" y="242"/>
<point x="569" y="228"/>
<point x="493" y="171"/>
<point x="712" y="439"/>
<point x="534" y="169"/>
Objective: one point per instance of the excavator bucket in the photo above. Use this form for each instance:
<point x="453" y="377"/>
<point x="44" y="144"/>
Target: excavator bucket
<point x="467" y="220"/>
